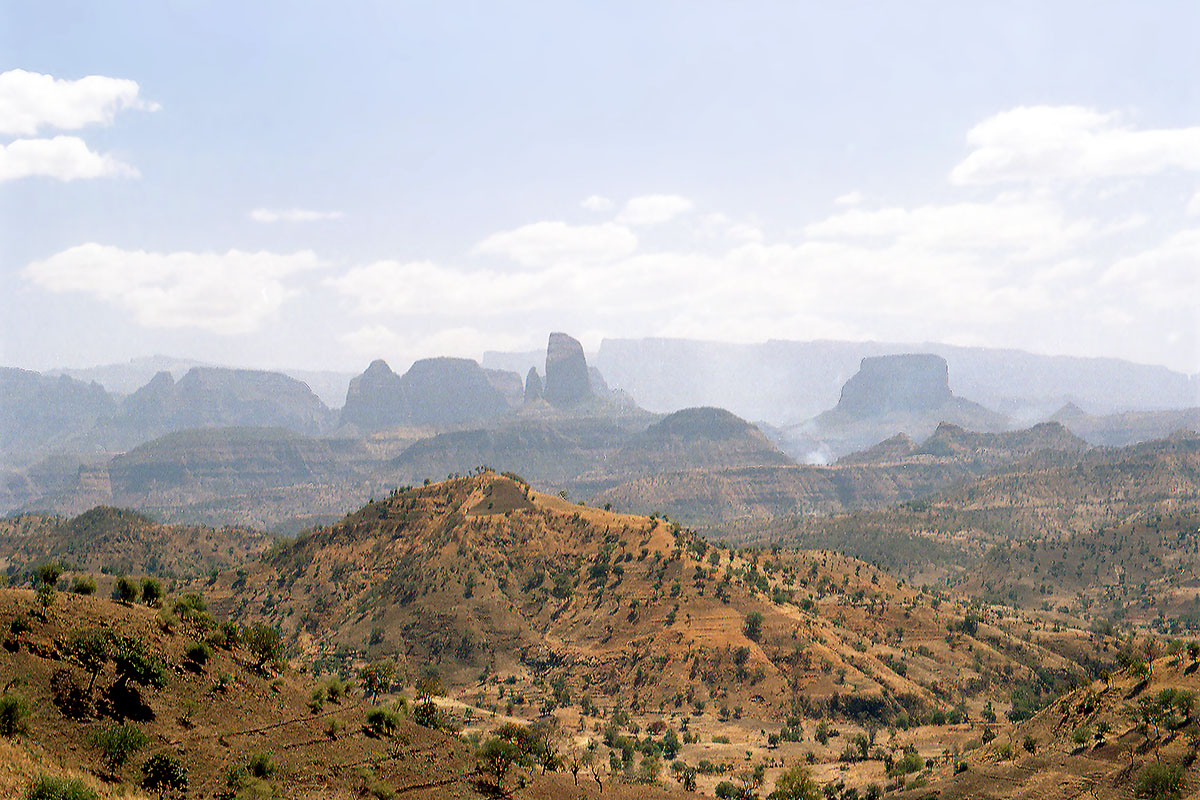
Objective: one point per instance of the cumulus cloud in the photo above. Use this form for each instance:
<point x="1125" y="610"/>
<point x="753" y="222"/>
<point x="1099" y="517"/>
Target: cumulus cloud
<point x="544" y="243"/>
<point x="66" y="158"/>
<point x="30" y="101"/>
<point x="293" y="215"/>
<point x="1040" y="143"/>
<point x="226" y="293"/>
<point x="597" y="202"/>
<point x="848" y="199"/>
<point x="653" y="209"/>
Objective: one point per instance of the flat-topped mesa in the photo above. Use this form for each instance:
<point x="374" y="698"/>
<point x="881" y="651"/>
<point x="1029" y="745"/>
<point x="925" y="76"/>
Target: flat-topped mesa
<point x="449" y="391"/>
<point x="371" y="399"/>
<point x="567" y="381"/>
<point x="886" y="384"/>
<point x="533" y="386"/>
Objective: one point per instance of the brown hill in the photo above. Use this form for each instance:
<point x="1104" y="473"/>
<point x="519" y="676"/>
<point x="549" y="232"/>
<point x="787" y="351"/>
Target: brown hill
<point x="120" y="542"/>
<point x="1091" y="743"/>
<point x="238" y="729"/>
<point x="481" y="574"/>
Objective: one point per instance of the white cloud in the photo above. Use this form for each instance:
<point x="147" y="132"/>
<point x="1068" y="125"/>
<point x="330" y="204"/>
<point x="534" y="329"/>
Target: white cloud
<point x="226" y="293"/>
<point x="545" y="243"/>
<point x="30" y="101"/>
<point x="1041" y="143"/>
<point x="1193" y="206"/>
<point x="1028" y="225"/>
<point x="66" y="158"/>
<point x="597" y="202"/>
<point x="848" y="199"/>
<point x="401" y="349"/>
<point x="653" y="209"/>
<point x="293" y="215"/>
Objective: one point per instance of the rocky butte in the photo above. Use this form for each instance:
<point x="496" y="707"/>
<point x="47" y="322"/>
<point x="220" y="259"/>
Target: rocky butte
<point x="567" y="381"/>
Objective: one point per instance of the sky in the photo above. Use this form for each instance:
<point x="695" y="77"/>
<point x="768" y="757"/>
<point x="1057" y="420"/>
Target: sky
<point x="317" y="185"/>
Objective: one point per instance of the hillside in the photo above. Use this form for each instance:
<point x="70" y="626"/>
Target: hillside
<point x="120" y="542"/>
<point x="1134" y="734"/>
<point x="239" y="725"/>
<point x="483" y="574"/>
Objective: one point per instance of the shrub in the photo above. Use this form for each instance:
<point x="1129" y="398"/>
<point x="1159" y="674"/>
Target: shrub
<point x="752" y="626"/>
<point x="265" y="643"/>
<point x="198" y="654"/>
<point x="222" y="682"/>
<point x="13" y="711"/>
<point x="1160" y="781"/>
<point x="124" y="590"/>
<point x="164" y="773"/>
<point x="84" y="584"/>
<point x="152" y="592"/>
<point x="1030" y="744"/>
<point x="118" y="743"/>
<point x="90" y="648"/>
<point x="316" y="700"/>
<point x="382" y="721"/>
<point x="133" y="663"/>
<point x="1082" y="735"/>
<point x="45" y="787"/>
<point x="262" y="765"/>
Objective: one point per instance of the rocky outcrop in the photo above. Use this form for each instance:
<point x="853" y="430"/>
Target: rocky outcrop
<point x="533" y="387"/>
<point x="567" y="381"/>
<point x="885" y="384"/>
<point x="508" y="384"/>
<point x="434" y="392"/>
<point x="597" y="382"/>
<point x="449" y="391"/>
<point x="372" y="402"/>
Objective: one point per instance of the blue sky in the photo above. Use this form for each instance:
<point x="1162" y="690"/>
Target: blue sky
<point x="315" y="185"/>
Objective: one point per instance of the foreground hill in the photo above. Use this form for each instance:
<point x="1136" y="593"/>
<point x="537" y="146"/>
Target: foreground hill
<point x="483" y="574"/>
<point x="237" y="724"/>
<point x="1132" y="735"/>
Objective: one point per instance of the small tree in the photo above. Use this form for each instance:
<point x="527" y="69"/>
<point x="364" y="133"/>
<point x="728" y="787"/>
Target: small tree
<point x="134" y="664"/>
<point x="152" y="592"/>
<point x="90" y="648"/>
<point x="796" y="784"/>
<point x="164" y="773"/>
<point x="498" y="756"/>
<point x="752" y="626"/>
<point x="377" y="677"/>
<point x="265" y="643"/>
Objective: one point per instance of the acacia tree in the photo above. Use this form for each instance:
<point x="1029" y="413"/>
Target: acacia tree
<point x="376" y="678"/>
<point x="90" y="649"/>
<point x="499" y="756"/>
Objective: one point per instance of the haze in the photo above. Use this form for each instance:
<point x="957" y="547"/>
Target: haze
<point x="284" y="186"/>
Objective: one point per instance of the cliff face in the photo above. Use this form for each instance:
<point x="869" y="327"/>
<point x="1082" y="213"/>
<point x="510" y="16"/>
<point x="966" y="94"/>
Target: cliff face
<point x="434" y="392"/>
<point x="567" y="380"/>
<point x="371" y="400"/>
<point x="883" y="384"/>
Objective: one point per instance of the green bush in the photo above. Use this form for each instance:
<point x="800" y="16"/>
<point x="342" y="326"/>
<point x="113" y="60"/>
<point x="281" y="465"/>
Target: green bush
<point x="84" y="584"/>
<point x="164" y="773"/>
<point x="152" y="592"/>
<point x="13" y="711"/>
<point x="124" y="590"/>
<point x="262" y="765"/>
<point x="1160" y="781"/>
<point x="118" y="743"/>
<point x="45" y="787"/>
<point x="382" y="721"/>
<point x="198" y="653"/>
